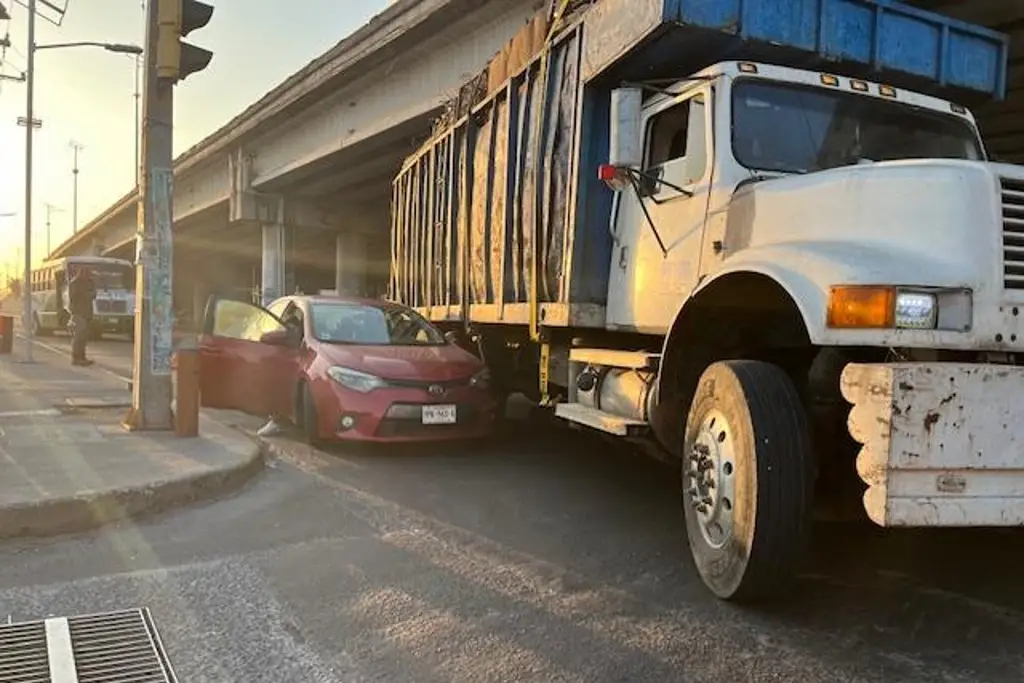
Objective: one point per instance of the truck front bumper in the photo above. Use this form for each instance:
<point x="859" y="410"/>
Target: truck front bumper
<point x="943" y="443"/>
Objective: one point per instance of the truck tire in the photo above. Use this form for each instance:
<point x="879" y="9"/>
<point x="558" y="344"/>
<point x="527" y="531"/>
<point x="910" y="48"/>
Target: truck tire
<point x="748" y="477"/>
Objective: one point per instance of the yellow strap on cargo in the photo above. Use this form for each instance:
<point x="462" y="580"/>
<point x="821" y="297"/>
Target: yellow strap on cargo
<point x="545" y="363"/>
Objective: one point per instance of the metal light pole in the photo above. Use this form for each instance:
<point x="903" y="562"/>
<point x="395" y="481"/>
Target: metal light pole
<point x="50" y="209"/>
<point x="31" y="123"/>
<point x="76" y="148"/>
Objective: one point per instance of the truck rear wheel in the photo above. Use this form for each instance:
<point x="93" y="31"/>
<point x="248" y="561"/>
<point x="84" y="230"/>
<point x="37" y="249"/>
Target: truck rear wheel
<point x="747" y="480"/>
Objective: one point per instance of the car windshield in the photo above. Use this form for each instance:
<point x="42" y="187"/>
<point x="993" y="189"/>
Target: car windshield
<point x="800" y="129"/>
<point x="383" y="325"/>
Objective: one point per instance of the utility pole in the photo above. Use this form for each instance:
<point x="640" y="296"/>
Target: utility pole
<point x="76" y="148"/>
<point x="138" y="115"/>
<point x="167" y="61"/>
<point x="50" y="208"/>
<point x="27" y="321"/>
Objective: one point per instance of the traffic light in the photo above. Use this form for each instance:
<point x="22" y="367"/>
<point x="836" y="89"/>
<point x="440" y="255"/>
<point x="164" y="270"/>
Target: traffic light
<point x="175" y="59"/>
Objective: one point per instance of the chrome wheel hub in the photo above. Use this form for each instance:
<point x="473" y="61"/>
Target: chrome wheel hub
<point x="710" y="479"/>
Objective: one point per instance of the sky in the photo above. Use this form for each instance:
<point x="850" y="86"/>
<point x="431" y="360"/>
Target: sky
<point x="86" y="95"/>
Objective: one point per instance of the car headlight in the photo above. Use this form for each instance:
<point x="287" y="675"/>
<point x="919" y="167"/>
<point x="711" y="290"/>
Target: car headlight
<point x="355" y="380"/>
<point x="861" y="307"/>
<point x="481" y="380"/>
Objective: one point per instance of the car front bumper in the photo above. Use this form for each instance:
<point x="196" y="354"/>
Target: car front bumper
<point x="396" y="414"/>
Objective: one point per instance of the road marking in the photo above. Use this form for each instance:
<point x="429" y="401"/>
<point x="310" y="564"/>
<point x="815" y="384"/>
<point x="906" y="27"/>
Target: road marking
<point x="44" y="412"/>
<point x="59" y="652"/>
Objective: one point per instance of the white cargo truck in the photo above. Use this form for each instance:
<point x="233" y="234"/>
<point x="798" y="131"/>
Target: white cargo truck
<point x="805" y="284"/>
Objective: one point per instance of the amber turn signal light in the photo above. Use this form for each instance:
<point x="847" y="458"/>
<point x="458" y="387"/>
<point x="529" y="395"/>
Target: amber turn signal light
<point x="856" y="306"/>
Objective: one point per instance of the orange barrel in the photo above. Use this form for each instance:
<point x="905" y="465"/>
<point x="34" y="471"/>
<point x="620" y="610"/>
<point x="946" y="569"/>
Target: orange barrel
<point x="186" y="369"/>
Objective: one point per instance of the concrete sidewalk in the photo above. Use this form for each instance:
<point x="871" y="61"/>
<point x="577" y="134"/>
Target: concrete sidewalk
<point x="66" y="464"/>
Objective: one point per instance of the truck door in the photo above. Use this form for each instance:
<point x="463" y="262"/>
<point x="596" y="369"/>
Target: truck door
<point x="656" y="258"/>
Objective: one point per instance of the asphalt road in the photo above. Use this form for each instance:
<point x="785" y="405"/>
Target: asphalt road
<point x="548" y="557"/>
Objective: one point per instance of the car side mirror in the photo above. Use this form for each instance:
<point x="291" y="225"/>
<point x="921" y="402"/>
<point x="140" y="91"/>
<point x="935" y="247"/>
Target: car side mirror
<point x="277" y="338"/>
<point x="451" y="337"/>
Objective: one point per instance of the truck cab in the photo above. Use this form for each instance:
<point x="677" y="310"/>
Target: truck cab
<point x="803" y="243"/>
<point x="771" y="170"/>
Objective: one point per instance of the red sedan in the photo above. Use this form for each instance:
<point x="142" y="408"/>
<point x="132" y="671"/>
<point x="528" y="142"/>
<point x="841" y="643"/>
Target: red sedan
<point x="343" y="370"/>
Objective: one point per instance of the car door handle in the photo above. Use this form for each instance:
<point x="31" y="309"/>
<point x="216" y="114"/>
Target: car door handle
<point x="211" y="350"/>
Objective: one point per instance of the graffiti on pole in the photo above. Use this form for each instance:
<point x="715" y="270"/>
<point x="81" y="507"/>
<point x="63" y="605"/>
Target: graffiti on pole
<point x="158" y="275"/>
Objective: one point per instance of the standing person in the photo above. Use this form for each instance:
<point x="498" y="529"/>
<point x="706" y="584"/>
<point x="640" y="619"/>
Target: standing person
<point x="81" y="294"/>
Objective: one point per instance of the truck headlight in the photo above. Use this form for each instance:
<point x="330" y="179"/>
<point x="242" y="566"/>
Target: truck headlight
<point x="355" y="380"/>
<point x="876" y="307"/>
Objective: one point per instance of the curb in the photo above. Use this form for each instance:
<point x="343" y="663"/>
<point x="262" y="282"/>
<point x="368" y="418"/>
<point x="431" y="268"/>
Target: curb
<point x="91" y="511"/>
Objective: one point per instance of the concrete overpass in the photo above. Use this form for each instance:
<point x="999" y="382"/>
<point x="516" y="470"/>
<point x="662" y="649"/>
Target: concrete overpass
<point x="295" y="190"/>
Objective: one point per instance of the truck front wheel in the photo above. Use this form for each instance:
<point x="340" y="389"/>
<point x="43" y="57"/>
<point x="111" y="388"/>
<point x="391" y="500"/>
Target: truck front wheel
<point x="748" y="474"/>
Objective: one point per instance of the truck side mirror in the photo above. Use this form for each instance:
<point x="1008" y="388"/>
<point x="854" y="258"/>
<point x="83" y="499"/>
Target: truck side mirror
<point x="626" y="135"/>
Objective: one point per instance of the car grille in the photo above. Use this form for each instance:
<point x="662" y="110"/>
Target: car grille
<point x="466" y="415"/>
<point x="111" y="306"/>
<point x="1013" y="233"/>
<point x="425" y="385"/>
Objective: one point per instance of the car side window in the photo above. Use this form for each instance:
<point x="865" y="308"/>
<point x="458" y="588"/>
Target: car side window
<point x="278" y="307"/>
<point x="242" y="321"/>
<point x="677" y="147"/>
<point x="293" y="318"/>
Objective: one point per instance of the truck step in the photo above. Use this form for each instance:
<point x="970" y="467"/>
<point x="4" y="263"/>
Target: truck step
<point x="634" y="360"/>
<point x="600" y="420"/>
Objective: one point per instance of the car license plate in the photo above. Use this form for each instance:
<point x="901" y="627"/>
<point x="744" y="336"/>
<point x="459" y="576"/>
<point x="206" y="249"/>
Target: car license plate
<point x="439" y="415"/>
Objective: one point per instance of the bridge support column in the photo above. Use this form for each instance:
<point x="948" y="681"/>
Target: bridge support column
<point x="273" y="280"/>
<point x="350" y="264"/>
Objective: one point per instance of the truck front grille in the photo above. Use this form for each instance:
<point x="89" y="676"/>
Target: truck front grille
<point x="1013" y="233"/>
<point x="111" y="306"/>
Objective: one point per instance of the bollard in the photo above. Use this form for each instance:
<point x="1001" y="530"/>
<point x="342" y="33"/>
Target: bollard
<point x="6" y="334"/>
<point x="186" y="368"/>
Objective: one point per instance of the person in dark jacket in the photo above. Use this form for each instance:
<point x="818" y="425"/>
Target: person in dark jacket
<point x="81" y="294"/>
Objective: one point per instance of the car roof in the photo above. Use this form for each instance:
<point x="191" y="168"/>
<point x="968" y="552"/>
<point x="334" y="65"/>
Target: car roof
<point x="339" y="299"/>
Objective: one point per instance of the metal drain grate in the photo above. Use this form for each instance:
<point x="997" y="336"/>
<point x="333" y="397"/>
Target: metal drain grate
<point x="115" y="647"/>
<point x="23" y="653"/>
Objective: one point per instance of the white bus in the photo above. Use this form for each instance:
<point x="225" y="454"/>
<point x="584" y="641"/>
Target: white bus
<point x="113" y="309"/>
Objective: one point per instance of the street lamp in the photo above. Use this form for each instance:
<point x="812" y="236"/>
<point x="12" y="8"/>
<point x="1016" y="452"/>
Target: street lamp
<point x="76" y="147"/>
<point x="122" y="48"/>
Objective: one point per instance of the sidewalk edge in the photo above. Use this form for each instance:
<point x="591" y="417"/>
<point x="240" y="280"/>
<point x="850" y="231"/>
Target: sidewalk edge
<point x="94" y="510"/>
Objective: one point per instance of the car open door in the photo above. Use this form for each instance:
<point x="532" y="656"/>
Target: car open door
<point x="244" y="351"/>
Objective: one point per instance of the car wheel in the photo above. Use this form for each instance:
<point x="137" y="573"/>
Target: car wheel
<point x="748" y="476"/>
<point x="309" y="419"/>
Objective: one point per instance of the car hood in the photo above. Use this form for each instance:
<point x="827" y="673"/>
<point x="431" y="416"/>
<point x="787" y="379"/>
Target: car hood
<point x="428" y="363"/>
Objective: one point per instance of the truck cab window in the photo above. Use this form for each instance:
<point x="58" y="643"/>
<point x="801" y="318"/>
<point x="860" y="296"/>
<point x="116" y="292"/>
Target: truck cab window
<point x="676" y="145"/>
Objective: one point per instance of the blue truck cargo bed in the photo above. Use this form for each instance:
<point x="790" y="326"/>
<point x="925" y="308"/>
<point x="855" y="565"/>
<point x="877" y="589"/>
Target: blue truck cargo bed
<point x="915" y="48"/>
<point x="511" y="189"/>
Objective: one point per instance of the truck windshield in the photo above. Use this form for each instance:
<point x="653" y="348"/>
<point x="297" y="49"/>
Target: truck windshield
<point x="114" y="278"/>
<point x="799" y="129"/>
<point x="107" y="276"/>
